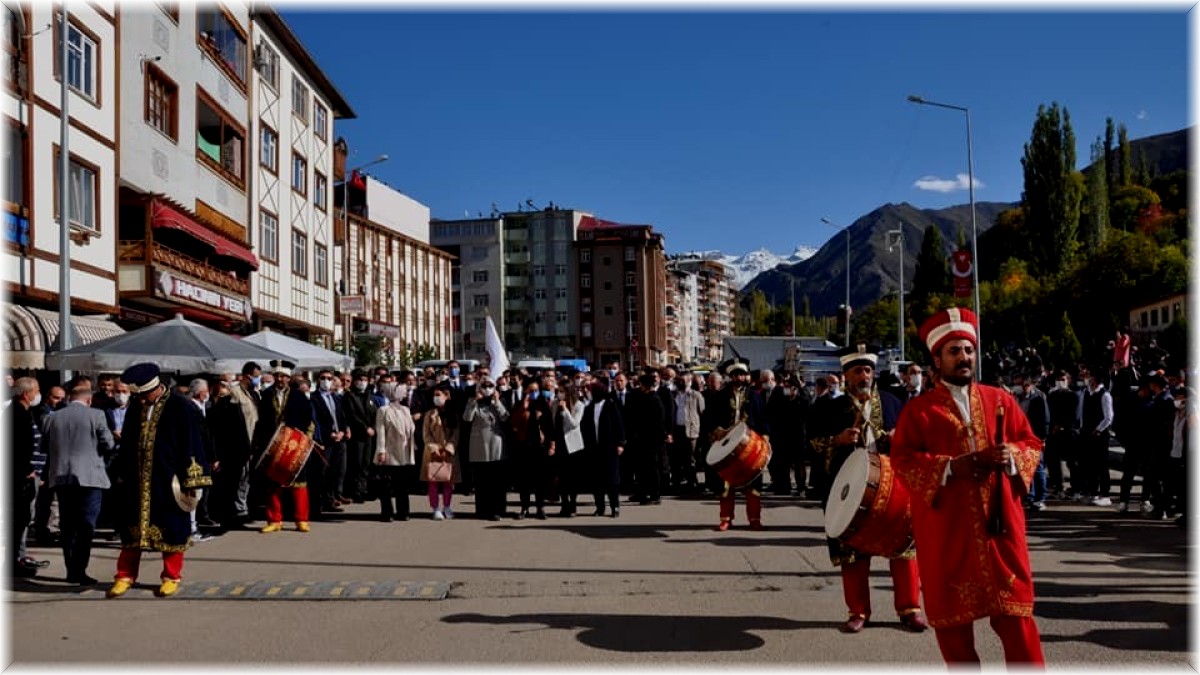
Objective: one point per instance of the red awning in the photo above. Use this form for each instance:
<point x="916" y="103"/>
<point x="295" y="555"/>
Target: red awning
<point x="162" y="215"/>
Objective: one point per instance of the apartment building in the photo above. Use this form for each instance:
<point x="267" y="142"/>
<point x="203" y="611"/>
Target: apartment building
<point x="682" y="315"/>
<point x="294" y="105"/>
<point x="32" y="108"/>
<point x="715" y="304"/>
<point x="622" y="294"/>
<point x="477" y="277"/>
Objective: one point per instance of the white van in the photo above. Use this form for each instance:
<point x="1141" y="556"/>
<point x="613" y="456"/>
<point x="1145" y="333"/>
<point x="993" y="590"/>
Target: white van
<point x="465" y="365"/>
<point x="535" y="366"/>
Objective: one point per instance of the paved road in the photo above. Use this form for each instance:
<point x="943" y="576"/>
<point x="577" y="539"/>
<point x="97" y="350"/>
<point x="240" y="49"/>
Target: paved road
<point x="657" y="586"/>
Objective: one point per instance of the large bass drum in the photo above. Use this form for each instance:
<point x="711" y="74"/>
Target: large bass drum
<point x="868" y="508"/>
<point x="286" y="454"/>
<point x="740" y="456"/>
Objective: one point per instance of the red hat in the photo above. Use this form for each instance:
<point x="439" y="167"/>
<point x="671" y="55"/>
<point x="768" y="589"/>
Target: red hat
<point x="949" y="324"/>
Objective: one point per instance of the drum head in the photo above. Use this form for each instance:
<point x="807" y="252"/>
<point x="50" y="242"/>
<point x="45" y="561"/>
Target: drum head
<point x="846" y="493"/>
<point x="722" y="448"/>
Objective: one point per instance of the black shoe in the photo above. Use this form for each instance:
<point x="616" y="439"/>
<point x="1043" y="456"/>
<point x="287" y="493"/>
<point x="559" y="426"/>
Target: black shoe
<point x="656" y="501"/>
<point x="82" y="580"/>
<point x="522" y="514"/>
<point x="385" y="518"/>
<point x="39" y="564"/>
<point x="495" y="517"/>
<point x="598" y="512"/>
<point x="616" y="513"/>
<point x="541" y="515"/>
<point x="207" y="522"/>
<point x="24" y="571"/>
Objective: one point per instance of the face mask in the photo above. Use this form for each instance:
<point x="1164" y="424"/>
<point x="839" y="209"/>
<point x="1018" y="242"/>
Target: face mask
<point x="36" y="400"/>
<point x="265" y="385"/>
<point x="788" y="391"/>
<point x="768" y="386"/>
<point x="454" y="372"/>
<point x="1017" y="390"/>
<point x="122" y="399"/>
<point x="578" y="383"/>
<point x="562" y="396"/>
<point x="439" y="401"/>
<point x="443" y="378"/>
<point x="400" y="392"/>
<point x="387" y="388"/>
<point x="833" y="391"/>
<point x="915" y="380"/>
<point x="488" y="391"/>
<point x="256" y="382"/>
<point x="1179" y="404"/>
<point x="670" y="386"/>
<point x="307" y="394"/>
<point x="612" y="373"/>
<point x="547" y="395"/>
<point x="360" y="386"/>
<point x="470" y="382"/>
<point x="505" y="388"/>
<point x="326" y="385"/>
<point x="1062" y="384"/>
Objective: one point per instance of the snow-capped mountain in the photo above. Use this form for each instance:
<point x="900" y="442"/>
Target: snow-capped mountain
<point x="746" y="267"/>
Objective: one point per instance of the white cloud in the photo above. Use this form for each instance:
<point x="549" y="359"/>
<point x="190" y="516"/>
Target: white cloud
<point x="1142" y="115"/>
<point x="935" y="184"/>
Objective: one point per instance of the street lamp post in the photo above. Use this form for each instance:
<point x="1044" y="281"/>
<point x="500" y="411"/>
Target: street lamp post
<point x="65" y="328"/>
<point x="920" y="100"/>
<point x="827" y="222"/>
<point x="899" y="243"/>
<point x="346" y="320"/>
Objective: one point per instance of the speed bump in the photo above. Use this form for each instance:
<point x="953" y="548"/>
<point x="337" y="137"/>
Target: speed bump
<point x="281" y="591"/>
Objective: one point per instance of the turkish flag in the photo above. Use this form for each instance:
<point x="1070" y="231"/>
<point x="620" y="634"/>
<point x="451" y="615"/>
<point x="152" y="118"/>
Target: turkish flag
<point x="960" y="265"/>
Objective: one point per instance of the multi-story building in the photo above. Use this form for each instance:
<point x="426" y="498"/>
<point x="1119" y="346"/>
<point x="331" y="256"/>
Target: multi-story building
<point x="682" y="315"/>
<point x="476" y="278"/>
<point x="293" y="106"/>
<point x="715" y="301"/>
<point x="383" y="244"/>
<point x="539" y="299"/>
<point x="34" y="83"/>
<point x="622" y="292"/>
<point x="186" y="181"/>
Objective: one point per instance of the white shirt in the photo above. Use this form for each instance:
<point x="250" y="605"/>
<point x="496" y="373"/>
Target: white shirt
<point x="680" y="408"/>
<point x="596" y="417"/>
<point x="1106" y="408"/>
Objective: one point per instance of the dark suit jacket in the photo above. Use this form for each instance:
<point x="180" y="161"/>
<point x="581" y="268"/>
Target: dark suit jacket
<point x="227" y="427"/>
<point x="601" y="443"/>
<point x="326" y="421"/>
<point x="645" y="423"/>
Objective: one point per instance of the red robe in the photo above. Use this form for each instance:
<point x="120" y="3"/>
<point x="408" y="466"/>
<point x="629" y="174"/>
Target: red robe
<point x="965" y="573"/>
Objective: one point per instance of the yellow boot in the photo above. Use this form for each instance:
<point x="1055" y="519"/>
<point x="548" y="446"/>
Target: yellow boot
<point x="120" y="587"/>
<point x="302" y="526"/>
<point x="272" y="527"/>
<point x="169" y="587"/>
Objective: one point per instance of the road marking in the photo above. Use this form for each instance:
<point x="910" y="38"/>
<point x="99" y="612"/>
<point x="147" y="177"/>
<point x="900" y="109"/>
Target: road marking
<point x="274" y="590"/>
<point x="212" y="591"/>
<point x="300" y="591"/>
<point x="237" y="590"/>
<point x="337" y="591"/>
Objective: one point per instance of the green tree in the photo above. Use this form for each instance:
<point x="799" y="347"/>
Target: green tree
<point x="1095" y="211"/>
<point x="1053" y="189"/>
<point x="877" y="323"/>
<point x="1068" y="349"/>
<point x="1128" y="205"/>
<point x="932" y="273"/>
<point x="368" y="350"/>
<point x="1110" y="164"/>
<point x="1124" y="159"/>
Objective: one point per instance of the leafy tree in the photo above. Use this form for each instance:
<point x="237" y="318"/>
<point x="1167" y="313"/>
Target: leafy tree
<point x="1069" y="350"/>
<point x="932" y="273"/>
<point x="1095" y="211"/>
<point x="806" y="310"/>
<point x="1053" y="189"/>
<point x="368" y="350"/>
<point x="1110" y="164"/>
<point x="1128" y="205"/>
<point x="1142" y="175"/>
<point x="876" y="324"/>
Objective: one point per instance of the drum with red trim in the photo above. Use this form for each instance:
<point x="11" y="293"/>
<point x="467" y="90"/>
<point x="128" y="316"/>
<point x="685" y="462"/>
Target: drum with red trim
<point x="740" y="456"/>
<point x="286" y="454"/>
<point x="868" y="508"/>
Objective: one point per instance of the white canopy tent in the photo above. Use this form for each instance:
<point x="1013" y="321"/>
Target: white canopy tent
<point x="306" y="356"/>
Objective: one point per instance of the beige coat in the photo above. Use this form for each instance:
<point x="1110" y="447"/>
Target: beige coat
<point x="440" y="440"/>
<point x="249" y="408"/>
<point x="395" y="436"/>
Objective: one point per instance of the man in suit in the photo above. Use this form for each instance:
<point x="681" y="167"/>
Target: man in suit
<point x="21" y="429"/>
<point x="647" y="435"/>
<point x="359" y="410"/>
<point x="689" y="407"/>
<point x="604" y="443"/>
<point x="246" y="395"/>
<point x="333" y="432"/>
<point x="775" y="406"/>
<point x="78" y="442"/>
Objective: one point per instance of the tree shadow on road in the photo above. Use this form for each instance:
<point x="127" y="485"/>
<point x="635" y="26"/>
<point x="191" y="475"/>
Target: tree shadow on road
<point x="1171" y="636"/>
<point x="638" y="633"/>
<point x="617" y="530"/>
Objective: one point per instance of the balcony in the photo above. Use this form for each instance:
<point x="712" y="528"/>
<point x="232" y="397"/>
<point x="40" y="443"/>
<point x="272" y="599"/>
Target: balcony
<point x="517" y="305"/>
<point x="512" y="282"/>
<point x="134" y="251"/>
<point x="517" y="258"/>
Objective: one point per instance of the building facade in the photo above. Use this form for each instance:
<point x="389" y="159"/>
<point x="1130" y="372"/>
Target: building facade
<point x="33" y="124"/>
<point x="383" y="255"/>
<point x="682" y="315"/>
<point x="622" y="294"/>
<point x="715" y="303"/>
<point x="540" y="302"/>
<point x="477" y="272"/>
<point x="294" y="105"/>
<point x="184" y="198"/>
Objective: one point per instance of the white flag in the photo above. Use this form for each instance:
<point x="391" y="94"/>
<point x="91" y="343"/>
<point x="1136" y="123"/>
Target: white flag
<point x="497" y="357"/>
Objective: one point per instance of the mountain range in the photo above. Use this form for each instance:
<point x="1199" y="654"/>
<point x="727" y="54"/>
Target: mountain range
<point x="875" y="271"/>
<point x="745" y="267"/>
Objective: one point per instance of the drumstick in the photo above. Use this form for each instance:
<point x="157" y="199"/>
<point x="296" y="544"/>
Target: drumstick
<point x="996" y="522"/>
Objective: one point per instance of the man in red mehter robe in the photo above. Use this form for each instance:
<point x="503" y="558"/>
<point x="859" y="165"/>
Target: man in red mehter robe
<point x="970" y="540"/>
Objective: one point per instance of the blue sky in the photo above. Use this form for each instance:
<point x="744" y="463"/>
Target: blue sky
<point x="724" y="130"/>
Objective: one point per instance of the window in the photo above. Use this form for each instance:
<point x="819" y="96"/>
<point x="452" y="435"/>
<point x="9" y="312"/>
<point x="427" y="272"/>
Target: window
<point x="539" y="317"/>
<point x="224" y="41"/>
<point x="321" y="265"/>
<point x="539" y="294"/>
<point x="585" y="280"/>
<point x="268" y="154"/>
<point x="12" y="46"/>
<point x="631" y="303"/>
<point x="479" y="276"/>
<point x="161" y="102"/>
<point x="585" y="255"/>
<point x="319" y="190"/>
<point x="82" y="195"/>
<point x="608" y="285"/>
<point x="15" y="167"/>
<point x="587" y="329"/>
<point x="585" y="305"/>
<point x="560" y="270"/>
<point x="299" y="253"/>
<point x="630" y="256"/>
<point x="630" y="279"/>
<point x="606" y="261"/>
<point x="270" y="236"/>
<point x="608" y="310"/>
<point x="560" y="293"/>
<point x="319" y="120"/>
<point x="299" y="174"/>
<point x="560" y="317"/>
<point x="480" y="300"/>
<point x="539" y="270"/>
<point x="1154" y="317"/>
<point x="479" y="324"/>
<point x="83" y="61"/>
<point x="1145" y="320"/>
<point x="300" y="99"/>
<point x="220" y="142"/>
<point x="268" y="64"/>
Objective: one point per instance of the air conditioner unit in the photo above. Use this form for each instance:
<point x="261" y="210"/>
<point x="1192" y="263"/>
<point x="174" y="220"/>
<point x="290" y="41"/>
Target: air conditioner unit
<point x="260" y="58"/>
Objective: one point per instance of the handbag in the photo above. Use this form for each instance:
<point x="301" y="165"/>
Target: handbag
<point x="440" y="471"/>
